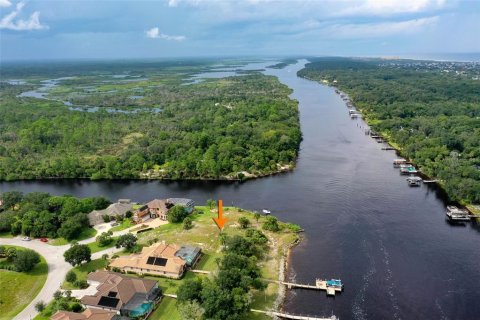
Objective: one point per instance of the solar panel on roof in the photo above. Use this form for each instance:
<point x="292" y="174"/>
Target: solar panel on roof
<point x="160" y="262"/>
<point x="112" y="294"/>
<point x="150" y="260"/>
<point x="108" y="302"/>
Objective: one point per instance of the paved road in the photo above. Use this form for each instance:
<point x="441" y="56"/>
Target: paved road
<point x="57" y="268"/>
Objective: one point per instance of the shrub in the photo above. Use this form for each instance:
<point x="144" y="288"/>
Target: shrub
<point x="104" y="239"/>
<point x="76" y="307"/>
<point x="128" y="214"/>
<point x="271" y="224"/>
<point x="57" y="295"/>
<point x="82" y="284"/>
<point x="71" y="276"/>
<point x="40" y="306"/>
<point x="25" y="260"/>
<point x="187" y="223"/>
<point x="244" y="222"/>
<point x="106" y="218"/>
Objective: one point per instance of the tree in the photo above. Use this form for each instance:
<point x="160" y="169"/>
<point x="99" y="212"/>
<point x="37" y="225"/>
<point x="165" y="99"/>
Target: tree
<point x="211" y="203"/>
<point x="26" y="260"/>
<point x="256" y="215"/>
<point x="40" y="306"/>
<point x="10" y="253"/>
<point x="71" y="228"/>
<point x="127" y="241"/>
<point x="57" y="295"/>
<point x="71" y="276"/>
<point x="271" y="224"/>
<point x="187" y="223"/>
<point x="189" y="290"/>
<point x="77" y="254"/>
<point x="191" y="310"/>
<point x="104" y="239"/>
<point x="177" y="214"/>
<point x="11" y="198"/>
<point x="244" y="222"/>
<point x="2" y="251"/>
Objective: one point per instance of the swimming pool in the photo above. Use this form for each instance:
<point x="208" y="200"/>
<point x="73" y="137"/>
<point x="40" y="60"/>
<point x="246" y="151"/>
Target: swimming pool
<point x="141" y="309"/>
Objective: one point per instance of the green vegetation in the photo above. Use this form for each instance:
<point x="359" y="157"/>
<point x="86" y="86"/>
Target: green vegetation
<point x="83" y="270"/>
<point x="77" y="254"/>
<point x="433" y="116"/>
<point x="20" y="288"/>
<point x="61" y="301"/>
<point x="39" y="214"/>
<point x="166" y="310"/>
<point x="252" y="251"/>
<point x="233" y="128"/>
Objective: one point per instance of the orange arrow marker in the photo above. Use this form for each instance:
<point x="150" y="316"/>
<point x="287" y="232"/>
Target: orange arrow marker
<point x="220" y="221"/>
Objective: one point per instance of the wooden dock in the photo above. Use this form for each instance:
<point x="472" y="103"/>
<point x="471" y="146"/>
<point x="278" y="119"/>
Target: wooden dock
<point x="292" y="316"/>
<point x="319" y="285"/>
<point x="430" y="181"/>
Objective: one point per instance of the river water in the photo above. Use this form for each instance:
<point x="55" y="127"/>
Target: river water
<point x="390" y="244"/>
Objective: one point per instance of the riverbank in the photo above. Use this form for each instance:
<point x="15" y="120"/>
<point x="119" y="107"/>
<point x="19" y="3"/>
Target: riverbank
<point x="425" y="134"/>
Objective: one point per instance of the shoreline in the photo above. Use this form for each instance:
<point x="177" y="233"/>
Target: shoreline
<point x="397" y="148"/>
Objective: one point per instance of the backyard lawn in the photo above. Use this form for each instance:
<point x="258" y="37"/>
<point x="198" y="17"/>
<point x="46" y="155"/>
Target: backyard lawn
<point x="166" y="310"/>
<point x="83" y="270"/>
<point x="19" y="288"/>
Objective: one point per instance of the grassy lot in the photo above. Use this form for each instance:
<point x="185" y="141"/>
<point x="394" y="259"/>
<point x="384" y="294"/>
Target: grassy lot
<point x="127" y="223"/>
<point x="205" y="234"/>
<point x="83" y="270"/>
<point x="18" y="289"/>
<point x="166" y="310"/>
<point x="94" y="247"/>
<point x="86" y="234"/>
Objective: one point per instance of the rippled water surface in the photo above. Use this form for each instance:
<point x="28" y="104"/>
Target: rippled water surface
<point x="390" y="244"/>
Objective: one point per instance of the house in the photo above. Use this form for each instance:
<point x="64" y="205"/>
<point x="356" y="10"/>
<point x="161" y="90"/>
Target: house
<point x="88" y="314"/>
<point x="126" y="296"/>
<point x="142" y="214"/>
<point x="187" y="203"/>
<point x="119" y="208"/>
<point x="166" y="260"/>
<point x="158" y="209"/>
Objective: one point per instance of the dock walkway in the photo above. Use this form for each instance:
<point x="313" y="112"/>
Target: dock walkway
<point x="291" y="316"/>
<point x="319" y="285"/>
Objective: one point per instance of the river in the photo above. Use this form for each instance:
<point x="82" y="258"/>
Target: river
<point x="390" y="244"/>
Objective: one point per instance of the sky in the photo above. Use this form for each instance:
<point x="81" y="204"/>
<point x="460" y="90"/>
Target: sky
<point x="107" y="29"/>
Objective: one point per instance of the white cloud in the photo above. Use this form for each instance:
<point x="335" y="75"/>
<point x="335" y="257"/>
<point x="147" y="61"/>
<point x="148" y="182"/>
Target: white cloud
<point x="5" y="3"/>
<point x="155" y="33"/>
<point x="390" y="7"/>
<point x="373" y="30"/>
<point x="11" y="22"/>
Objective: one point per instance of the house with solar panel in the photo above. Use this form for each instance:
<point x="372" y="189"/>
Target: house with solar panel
<point x="167" y="260"/>
<point x="126" y="296"/>
<point x="158" y="208"/>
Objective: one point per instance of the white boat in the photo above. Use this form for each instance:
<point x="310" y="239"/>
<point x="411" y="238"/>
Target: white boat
<point x="398" y="162"/>
<point x="414" y="181"/>
<point x="454" y="213"/>
<point x="266" y="211"/>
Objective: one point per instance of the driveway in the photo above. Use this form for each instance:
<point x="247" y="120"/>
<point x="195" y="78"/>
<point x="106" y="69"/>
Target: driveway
<point x="57" y="269"/>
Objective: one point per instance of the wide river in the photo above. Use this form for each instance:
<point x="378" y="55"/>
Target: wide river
<point x="390" y="244"/>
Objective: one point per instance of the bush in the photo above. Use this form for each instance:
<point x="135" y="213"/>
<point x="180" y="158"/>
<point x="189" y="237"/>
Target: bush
<point x="177" y="214"/>
<point x="187" y="223"/>
<point x="26" y="260"/>
<point x="57" y="295"/>
<point x="82" y="284"/>
<point x="271" y="224"/>
<point x="76" y="307"/>
<point x="104" y="239"/>
<point x="128" y="214"/>
<point x="243" y="222"/>
<point x="71" y="276"/>
<point x="40" y="306"/>
<point x="106" y="218"/>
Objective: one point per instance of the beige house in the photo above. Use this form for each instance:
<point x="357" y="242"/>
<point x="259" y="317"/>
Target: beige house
<point x="119" y="208"/>
<point x="158" y="259"/>
<point x="88" y="314"/>
<point x="126" y="296"/>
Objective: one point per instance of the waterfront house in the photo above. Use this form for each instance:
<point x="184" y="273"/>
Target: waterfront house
<point x="120" y="208"/>
<point x="188" y="204"/>
<point x="142" y="214"/>
<point x="166" y="260"/>
<point x="87" y="314"/>
<point x="158" y="209"/>
<point x="126" y="296"/>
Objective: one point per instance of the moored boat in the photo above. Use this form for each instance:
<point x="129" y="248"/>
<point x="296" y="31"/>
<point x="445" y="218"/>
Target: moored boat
<point x="454" y="213"/>
<point x="414" y="181"/>
<point x="398" y="162"/>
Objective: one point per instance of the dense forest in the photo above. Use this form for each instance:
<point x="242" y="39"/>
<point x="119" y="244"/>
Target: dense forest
<point x="143" y="120"/>
<point x="39" y="214"/>
<point x="430" y="110"/>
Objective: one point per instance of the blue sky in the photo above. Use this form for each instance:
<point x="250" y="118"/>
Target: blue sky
<point x="101" y="29"/>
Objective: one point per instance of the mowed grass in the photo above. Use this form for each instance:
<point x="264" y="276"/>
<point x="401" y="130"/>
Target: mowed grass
<point x="18" y="289"/>
<point x="94" y="247"/>
<point x="166" y="310"/>
<point x="83" y="270"/>
<point x="126" y="223"/>
<point x="85" y="234"/>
